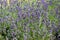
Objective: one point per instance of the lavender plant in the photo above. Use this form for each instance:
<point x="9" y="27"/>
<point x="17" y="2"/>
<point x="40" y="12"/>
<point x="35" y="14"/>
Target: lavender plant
<point x="33" y="20"/>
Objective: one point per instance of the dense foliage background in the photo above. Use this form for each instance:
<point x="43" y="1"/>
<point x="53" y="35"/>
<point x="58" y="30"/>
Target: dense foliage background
<point x="29" y="19"/>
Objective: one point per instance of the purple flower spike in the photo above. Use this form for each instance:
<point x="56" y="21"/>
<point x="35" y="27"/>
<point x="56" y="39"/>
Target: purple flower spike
<point x="50" y="2"/>
<point x="45" y="5"/>
<point x="56" y="11"/>
<point x="42" y="1"/>
<point x="13" y="34"/>
<point x="1" y="19"/>
<point x="28" y="14"/>
<point x="18" y="8"/>
<point x="20" y="14"/>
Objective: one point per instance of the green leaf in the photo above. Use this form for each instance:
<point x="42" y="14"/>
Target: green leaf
<point x="51" y="7"/>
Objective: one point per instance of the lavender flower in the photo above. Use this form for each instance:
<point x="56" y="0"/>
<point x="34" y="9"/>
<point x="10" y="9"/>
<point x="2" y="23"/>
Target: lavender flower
<point x="1" y="20"/>
<point x="13" y="34"/>
<point x="50" y="2"/>
<point x="5" y="3"/>
<point x="18" y="8"/>
<point x="44" y="4"/>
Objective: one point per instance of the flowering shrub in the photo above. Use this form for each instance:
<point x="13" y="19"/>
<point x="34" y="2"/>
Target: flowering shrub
<point x="29" y="20"/>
